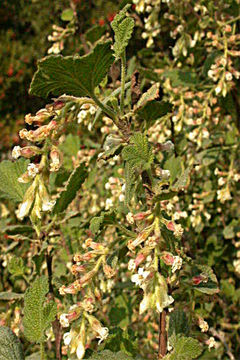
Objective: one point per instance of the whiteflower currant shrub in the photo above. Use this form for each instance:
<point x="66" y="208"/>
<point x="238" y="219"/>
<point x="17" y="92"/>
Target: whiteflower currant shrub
<point x="134" y="238"/>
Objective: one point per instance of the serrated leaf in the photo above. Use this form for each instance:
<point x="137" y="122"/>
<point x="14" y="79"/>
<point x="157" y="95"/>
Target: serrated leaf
<point x="10" y="346"/>
<point x="76" y="75"/>
<point x="74" y="183"/>
<point x="129" y="175"/>
<point x="149" y="95"/>
<point x="186" y="348"/>
<point x="178" y="323"/>
<point x="139" y="153"/>
<point x="10" y="187"/>
<point x="8" y="296"/>
<point x="104" y="218"/>
<point x="37" y="314"/>
<point x="182" y="181"/>
<point x="16" y="266"/>
<point x="123" y="28"/>
<point x="109" y="355"/>
<point x="153" y="110"/>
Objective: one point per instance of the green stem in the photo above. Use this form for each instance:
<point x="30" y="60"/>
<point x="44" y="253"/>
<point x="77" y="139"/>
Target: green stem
<point x="123" y="80"/>
<point x="42" y="352"/>
<point x="105" y="108"/>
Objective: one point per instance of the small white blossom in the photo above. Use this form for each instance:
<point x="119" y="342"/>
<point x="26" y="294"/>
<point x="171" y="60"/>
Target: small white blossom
<point x="140" y="277"/>
<point x="130" y="218"/>
<point x="109" y="204"/>
<point x="177" y="263"/>
<point x="102" y="334"/>
<point x="67" y="337"/>
<point x="16" y="152"/>
<point x="64" y="320"/>
<point x="47" y="206"/>
<point x="131" y="265"/>
<point x="221" y="181"/>
<point x="211" y="343"/>
<point x="32" y="170"/>
<point x="203" y="325"/>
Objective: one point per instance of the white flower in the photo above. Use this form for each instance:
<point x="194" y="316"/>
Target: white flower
<point x="16" y="152"/>
<point x="121" y="197"/>
<point x="48" y="205"/>
<point x="64" y="320"/>
<point x="102" y="334"/>
<point x="178" y="230"/>
<point x="177" y="263"/>
<point x="80" y="351"/>
<point x="211" y="343"/>
<point x="67" y="338"/>
<point x="203" y="325"/>
<point x="145" y="304"/>
<point x="82" y="115"/>
<point x="228" y="76"/>
<point x="140" y="277"/>
<point x="131" y="265"/>
<point x="221" y="181"/>
<point x="224" y="195"/>
<point x="23" y="209"/>
<point x="32" y="170"/>
<point x="92" y="110"/>
<point x="130" y="218"/>
<point x="109" y="204"/>
<point x="166" y="301"/>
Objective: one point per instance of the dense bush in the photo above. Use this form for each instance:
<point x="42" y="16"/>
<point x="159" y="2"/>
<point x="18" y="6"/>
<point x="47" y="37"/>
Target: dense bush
<point x="119" y="204"/>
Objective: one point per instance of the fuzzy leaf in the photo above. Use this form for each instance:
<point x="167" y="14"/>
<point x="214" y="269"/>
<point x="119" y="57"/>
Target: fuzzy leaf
<point x="10" y="346"/>
<point x="149" y="95"/>
<point x="109" y="355"/>
<point x="10" y="187"/>
<point x="74" y="183"/>
<point x="186" y="348"/>
<point x="8" y="295"/>
<point x="182" y="181"/>
<point x="37" y="315"/>
<point x="129" y="175"/>
<point x="76" y="75"/>
<point x="123" y="28"/>
<point x="16" y="266"/>
<point x="178" y="324"/>
<point x="139" y="153"/>
<point x="153" y="110"/>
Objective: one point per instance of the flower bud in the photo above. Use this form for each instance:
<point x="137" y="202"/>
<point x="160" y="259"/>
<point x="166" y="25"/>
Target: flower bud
<point x="56" y="159"/>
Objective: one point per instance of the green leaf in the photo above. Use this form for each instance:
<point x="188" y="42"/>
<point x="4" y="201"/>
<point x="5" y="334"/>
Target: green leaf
<point x="123" y="28"/>
<point x="149" y="95"/>
<point x="181" y="78"/>
<point x="10" y="296"/>
<point x="129" y="175"/>
<point x="35" y="356"/>
<point x="71" y="145"/>
<point x="210" y="284"/>
<point x="173" y="164"/>
<point x="67" y="15"/>
<point x="16" y="266"/>
<point x="139" y="153"/>
<point x="10" y="346"/>
<point x="186" y="348"/>
<point x="95" y="33"/>
<point x="76" y="75"/>
<point x="154" y="110"/>
<point x="178" y="323"/>
<point x="104" y="219"/>
<point x="109" y="355"/>
<point x="74" y="183"/>
<point x="37" y="314"/>
<point x="182" y="181"/>
<point x="10" y="187"/>
<point x="119" y="340"/>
